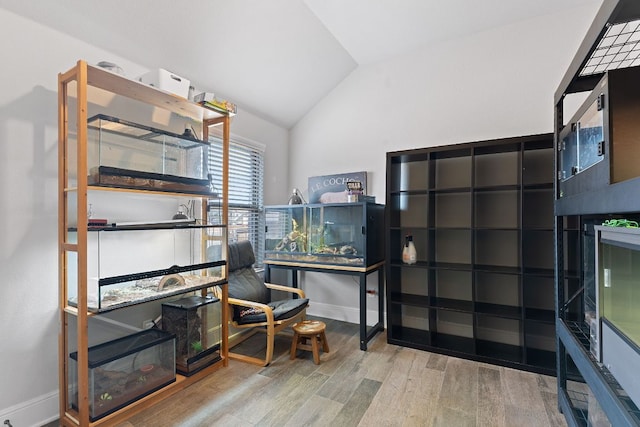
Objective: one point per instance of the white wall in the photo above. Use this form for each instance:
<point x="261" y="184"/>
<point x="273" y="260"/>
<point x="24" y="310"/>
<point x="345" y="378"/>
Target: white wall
<point x="499" y="83"/>
<point x="32" y="57"/>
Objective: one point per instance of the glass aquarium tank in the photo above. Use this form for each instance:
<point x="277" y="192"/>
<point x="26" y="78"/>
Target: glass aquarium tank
<point x="618" y="303"/>
<point x="619" y="279"/>
<point x="348" y="234"/>
<point x="128" y="265"/>
<point x="196" y="322"/>
<point x="129" y="155"/>
<point x="124" y="370"/>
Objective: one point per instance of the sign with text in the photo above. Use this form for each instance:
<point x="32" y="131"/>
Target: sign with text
<point x="333" y="188"/>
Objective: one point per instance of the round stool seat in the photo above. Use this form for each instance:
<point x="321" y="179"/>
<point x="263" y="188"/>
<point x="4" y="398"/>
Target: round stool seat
<point x="309" y="327"/>
<point x="313" y="330"/>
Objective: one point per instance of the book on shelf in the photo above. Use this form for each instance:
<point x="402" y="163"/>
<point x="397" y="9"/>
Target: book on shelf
<point x="220" y="105"/>
<point x="204" y="97"/>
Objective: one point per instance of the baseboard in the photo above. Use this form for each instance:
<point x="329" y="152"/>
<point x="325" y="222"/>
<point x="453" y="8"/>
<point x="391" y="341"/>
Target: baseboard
<point x="35" y="412"/>
<point x="345" y="314"/>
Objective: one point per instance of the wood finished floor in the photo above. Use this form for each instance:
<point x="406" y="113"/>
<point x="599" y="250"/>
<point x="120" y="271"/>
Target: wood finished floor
<point x="384" y="386"/>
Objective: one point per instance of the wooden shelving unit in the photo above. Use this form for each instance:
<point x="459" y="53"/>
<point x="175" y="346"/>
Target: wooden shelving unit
<point x="78" y="89"/>
<point x="481" y="216"/>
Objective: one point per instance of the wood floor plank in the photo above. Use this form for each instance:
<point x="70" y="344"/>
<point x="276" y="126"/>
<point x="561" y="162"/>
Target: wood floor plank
<point x="380" y="359"/>
<point x="522" y="416"/>
<point x="521" y="389"/>
<point x="316" y="411"/>
<point x="556" y="419"/>
<point x="422" y="393"/>
<point x="286" y="403"/>
<point x="263" y="401"/>
<point x="448" y="417"/>
<point x="548" y="383"/>
<point x="352" y="411"/>
<point x="229" y="420"/>
<point x="437" y="361"/>
<point x="490" y="403"/>
<point x="460" y="387"/>
<point x="389" y="404"/>
<point x="344" y="379"/>
<point x="342" y="344"/>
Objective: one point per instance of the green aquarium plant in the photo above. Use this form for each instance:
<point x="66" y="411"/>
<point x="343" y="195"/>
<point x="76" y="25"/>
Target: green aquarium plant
<point x="196" y="346"/>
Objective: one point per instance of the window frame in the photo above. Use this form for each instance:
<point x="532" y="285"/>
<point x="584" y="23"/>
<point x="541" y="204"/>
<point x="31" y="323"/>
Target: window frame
<point x="246" y="214"/>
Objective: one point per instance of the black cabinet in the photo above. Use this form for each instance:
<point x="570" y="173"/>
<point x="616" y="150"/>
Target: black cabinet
<point x="481" y="217"/>
<point x="598" y="146"/>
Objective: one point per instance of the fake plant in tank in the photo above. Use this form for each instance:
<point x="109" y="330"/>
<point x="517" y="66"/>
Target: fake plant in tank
<point x="295" y="241"/>
<point x="196" y="346"/>
<point x="105" y="396"/>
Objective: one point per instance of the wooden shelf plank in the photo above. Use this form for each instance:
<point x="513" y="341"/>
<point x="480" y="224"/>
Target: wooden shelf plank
<point x="112" y="82"/>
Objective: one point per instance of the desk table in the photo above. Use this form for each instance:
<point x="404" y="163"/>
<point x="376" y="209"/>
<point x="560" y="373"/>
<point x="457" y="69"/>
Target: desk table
<point x="360" y="272"/>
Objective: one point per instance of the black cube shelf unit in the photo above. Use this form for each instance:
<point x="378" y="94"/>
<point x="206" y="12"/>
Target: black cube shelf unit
<point x="481" y="217"/>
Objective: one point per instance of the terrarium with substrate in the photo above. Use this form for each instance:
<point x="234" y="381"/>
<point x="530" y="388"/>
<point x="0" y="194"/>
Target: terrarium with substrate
<point x="124" y="370"/>
<point x="124" y="154"/>
<point x="196" y="322"/>
<point x="128" y="265"/>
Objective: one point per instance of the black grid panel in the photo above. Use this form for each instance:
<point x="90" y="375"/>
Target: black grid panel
<point x="619" y="48"/>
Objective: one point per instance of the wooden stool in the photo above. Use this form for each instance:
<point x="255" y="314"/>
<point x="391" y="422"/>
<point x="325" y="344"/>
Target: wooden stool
<point x="309" y="330"/>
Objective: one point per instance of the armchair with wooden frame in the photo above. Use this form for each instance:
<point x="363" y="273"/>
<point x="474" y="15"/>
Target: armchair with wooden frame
<point x="251" y="304"/>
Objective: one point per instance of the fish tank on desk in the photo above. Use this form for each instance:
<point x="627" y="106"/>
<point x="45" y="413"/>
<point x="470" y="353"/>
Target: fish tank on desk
<point x="124" y="154"/>
<point x="341" y="234"/>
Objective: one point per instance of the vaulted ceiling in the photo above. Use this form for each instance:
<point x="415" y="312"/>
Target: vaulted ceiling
<point x="275" y="58"/>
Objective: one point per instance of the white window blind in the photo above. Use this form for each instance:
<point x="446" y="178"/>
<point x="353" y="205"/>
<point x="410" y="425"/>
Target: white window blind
<point x="246" y="171"/>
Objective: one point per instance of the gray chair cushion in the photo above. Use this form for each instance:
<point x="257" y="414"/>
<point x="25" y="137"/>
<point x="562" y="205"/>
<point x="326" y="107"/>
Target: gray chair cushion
<point x="241" y="255"/>
<point x="281" y="310"/>
<point x="246" y="284"/>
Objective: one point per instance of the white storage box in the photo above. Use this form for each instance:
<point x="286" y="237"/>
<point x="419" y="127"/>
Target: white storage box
<point x="167" y="81"/>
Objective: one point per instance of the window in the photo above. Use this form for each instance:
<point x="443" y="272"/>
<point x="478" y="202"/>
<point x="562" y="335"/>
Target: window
<point x="246" y="170"/>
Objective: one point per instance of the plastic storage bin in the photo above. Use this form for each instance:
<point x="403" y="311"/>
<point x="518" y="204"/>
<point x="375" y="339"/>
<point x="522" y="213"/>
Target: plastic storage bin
<point x="197" y="324"/>
<point x="167" y="81"/>
<point x="124" y="370"/>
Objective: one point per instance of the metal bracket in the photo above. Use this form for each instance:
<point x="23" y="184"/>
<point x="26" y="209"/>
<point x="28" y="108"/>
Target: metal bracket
<point x="601" y="102"/>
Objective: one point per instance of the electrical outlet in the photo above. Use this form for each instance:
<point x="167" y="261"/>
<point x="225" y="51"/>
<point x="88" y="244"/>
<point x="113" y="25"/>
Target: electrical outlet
<point x="148" y="324"/>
